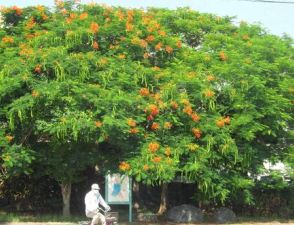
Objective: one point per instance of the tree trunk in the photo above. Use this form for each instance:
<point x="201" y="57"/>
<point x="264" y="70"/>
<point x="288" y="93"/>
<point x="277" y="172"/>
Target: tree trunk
<point x="136" y="194"/>
<point x="163" y="199"/>
<point x="66" y="191"/>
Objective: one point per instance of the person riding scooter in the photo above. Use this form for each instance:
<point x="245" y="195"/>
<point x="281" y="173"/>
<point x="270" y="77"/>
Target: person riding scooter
<point x="92" y="201"/>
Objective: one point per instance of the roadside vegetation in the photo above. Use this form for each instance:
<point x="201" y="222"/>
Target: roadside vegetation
<point x="160" y="95"/>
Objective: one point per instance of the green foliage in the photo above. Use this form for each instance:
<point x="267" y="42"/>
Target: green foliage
<point x="15" y="159"/>
<point x="174" y="92"/>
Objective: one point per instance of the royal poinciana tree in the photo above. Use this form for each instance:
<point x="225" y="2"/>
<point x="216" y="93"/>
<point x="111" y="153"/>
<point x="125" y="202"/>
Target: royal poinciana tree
<point x="174" y="92"/>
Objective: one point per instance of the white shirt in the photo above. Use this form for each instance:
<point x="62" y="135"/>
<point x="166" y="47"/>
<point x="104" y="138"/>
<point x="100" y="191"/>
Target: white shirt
<point x="92" y="201"/>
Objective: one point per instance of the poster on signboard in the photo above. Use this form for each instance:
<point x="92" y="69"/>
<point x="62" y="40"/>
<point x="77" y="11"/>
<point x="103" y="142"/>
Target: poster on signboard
<point x="117" y="189"/>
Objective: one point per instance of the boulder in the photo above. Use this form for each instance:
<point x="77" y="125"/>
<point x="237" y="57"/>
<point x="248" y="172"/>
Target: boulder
<point x="185" y="214"/>
<point x="224" y="215"/>
<point x="285" y="212"/>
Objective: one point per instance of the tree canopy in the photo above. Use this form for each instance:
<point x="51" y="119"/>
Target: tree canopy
<point x="156" y="93"/>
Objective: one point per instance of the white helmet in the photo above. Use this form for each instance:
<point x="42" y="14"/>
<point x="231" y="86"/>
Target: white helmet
<point x="95" y="187"/>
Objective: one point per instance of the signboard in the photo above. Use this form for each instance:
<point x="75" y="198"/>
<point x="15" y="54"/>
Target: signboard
<point x="118" y="190"/>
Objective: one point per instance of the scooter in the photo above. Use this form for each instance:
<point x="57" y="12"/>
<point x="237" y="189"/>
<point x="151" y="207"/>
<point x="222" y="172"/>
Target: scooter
<point x="110" y="217"/>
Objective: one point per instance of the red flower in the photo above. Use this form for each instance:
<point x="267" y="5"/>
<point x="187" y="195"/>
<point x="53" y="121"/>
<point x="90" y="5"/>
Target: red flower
<point x="223" y="56"/>
<point x="220" y="123"/>
<point x="145" y="167"/>
<point x="210" y="78"/>
<point x="38" y="69"/>
<point x="95" y="45"/>
<point x="144" y="92"/>
<point x="83" y="16"/>
<point x="18" y="11"/>
<point x="195" y="117"/>
<point x="208" y="93"/>
<point x="162" y="33"/>
<point x="134" y="130"/>
<point x="150" y="38"/>
<point x="124" y="166"/>
<point x="227" y="120"/>
<point x="156" y="159"/>
<point x="35" y="93"/>
<point x="188" y="110"/>
<point x="153" y="147"/>
<point x="7" y="40"/>
<point x="153" y="109"/>
<point x="174" y="105"/>
<point x="197" y="132"/>
<point x="155" y="126"/>
<point x="98" y="124"/>
<point x="150" y="117"/>
<point x="131" y="122"/>
<point x="122" y="56"/>
<point x="169" y="49"/>
<point x="129" y="27"/>
<point x="94" y="27"/>
<point x="158" y="46"/>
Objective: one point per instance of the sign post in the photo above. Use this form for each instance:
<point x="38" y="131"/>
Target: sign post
<point x="118" y="191"/>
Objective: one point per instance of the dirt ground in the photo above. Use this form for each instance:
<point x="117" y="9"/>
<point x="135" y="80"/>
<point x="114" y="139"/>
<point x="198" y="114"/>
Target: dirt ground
<point x="240" y="223"/>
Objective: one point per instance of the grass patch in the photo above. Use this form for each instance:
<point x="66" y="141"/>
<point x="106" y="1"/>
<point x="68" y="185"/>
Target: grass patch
<point x="26" y="217"/>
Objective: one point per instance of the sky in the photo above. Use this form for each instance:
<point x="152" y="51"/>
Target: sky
<point x="276" y="18"/>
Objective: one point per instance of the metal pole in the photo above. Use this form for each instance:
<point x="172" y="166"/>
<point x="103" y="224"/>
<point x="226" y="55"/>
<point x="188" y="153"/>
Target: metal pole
<point x="130" y="202"/>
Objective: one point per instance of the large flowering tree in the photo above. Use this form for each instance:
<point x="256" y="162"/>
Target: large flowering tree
<point x="175" y="93"/>
<point x="229" y="106"/>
